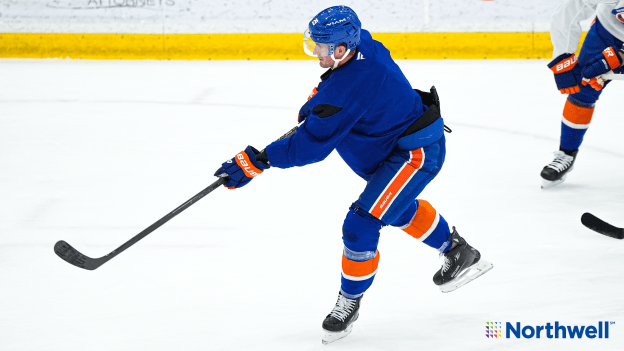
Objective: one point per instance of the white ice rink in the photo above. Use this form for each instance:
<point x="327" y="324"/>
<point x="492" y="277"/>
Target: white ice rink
<point x="93" y="152"/>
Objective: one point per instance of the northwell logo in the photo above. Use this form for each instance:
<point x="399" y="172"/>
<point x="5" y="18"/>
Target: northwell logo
<point x="493" y="329"/>
<point x="549" y="331"/>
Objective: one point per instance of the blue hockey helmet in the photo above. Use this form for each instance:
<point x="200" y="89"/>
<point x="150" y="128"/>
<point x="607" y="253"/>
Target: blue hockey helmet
<point x="330" y="28"/>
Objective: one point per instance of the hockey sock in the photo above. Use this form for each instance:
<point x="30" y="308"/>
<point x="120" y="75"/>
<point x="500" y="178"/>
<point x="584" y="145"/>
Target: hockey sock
<point x="576" y="118"/>
<point x="357" y="276"/>
<point x="424" y="223"/>
<point x="360" y="234"/>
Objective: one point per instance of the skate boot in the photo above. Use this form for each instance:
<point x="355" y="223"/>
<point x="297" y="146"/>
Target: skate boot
<point x="462" y="264"/>
<point x="556" y="172"/>
<point x="339" y="322"/>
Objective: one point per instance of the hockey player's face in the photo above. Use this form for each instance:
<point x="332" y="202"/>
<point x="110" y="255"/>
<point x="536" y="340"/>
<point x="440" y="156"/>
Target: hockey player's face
<point x="321" y="51"/>
<point x="318" y="50"/>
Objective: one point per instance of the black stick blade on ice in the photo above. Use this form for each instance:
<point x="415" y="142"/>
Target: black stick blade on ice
<point x="598" y="225"/>
<point x="73" y="256"/>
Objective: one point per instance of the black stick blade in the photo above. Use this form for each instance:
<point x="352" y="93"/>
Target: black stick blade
<point x="73" y="256"/>
<point x="598" y="225"/>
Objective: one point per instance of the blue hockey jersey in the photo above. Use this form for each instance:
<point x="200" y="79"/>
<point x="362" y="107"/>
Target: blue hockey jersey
<point x="361" y="109"/>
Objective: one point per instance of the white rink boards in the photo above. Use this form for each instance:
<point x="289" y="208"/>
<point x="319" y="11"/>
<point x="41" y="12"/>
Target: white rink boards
<point x="277" y="16"/>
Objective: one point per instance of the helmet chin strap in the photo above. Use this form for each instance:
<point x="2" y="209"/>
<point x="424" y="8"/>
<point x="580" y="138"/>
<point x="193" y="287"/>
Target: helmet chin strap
<point x="337" y="61"/>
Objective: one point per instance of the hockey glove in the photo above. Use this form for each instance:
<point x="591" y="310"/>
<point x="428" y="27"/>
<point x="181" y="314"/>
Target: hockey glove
<point x="604" y="62"/>
<point x="564" y="76"/>
<point x="242" y="168"/>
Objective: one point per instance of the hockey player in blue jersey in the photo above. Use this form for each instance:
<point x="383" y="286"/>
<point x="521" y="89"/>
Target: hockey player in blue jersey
<point x="581" y="78"/>
<point x="390" y="135"/>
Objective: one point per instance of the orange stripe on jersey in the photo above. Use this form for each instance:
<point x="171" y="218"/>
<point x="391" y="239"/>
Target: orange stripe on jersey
<point x="403" y="176"/>
<point x="577" y="115"/>
<point x="243" y="161"/>
<point x="424" y="221"/>
<point x="314" y="91"/>
<point x="354" y="270"/>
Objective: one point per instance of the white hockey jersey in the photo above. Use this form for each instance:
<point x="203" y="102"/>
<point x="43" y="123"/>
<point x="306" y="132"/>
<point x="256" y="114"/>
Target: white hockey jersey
<point x="565" y="30"/>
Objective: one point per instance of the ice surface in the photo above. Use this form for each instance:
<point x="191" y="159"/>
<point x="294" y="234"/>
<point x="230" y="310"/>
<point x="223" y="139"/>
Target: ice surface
<point x="93" y="152"/>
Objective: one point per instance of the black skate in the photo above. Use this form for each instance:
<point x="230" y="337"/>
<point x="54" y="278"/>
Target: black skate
<point x="462" y="264"/>
<point x="339" y="322"/>
<point x="556" y="172"/>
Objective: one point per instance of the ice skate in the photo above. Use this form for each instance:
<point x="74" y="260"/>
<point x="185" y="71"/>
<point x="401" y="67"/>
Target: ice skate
<point x="462" y="264"/>
<point x="339" y="322"/>
<point x="556" y="172"/>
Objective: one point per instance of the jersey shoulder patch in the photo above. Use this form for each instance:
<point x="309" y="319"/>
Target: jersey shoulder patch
<point x="326" y="110"/>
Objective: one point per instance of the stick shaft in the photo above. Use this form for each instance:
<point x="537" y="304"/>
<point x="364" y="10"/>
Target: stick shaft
<point x="612" y="76"/>
<point x="166" y="218"/>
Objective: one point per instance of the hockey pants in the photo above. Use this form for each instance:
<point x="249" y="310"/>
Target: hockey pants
<point x="390" y="199"/>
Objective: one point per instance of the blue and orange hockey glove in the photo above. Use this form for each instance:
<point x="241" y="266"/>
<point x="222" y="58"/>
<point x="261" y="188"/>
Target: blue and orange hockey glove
<point x="564" y="76"/>
<point x="608" y="60"/>
<point x="242" y="168"/>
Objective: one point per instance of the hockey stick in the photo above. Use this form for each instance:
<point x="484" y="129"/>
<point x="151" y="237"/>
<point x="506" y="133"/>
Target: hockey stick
<point x="73" y="256"/>
<point x="598" y="225"/>
<point x="612" y="76"/>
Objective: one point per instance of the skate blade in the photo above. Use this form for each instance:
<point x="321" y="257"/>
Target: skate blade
<point x="470" y="274"/>
<point x="330" y="336"/>
<point x="550" y="183"/>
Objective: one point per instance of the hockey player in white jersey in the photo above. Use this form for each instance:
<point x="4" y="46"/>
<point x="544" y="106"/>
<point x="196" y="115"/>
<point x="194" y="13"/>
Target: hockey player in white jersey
<point x="581" y="77"/>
